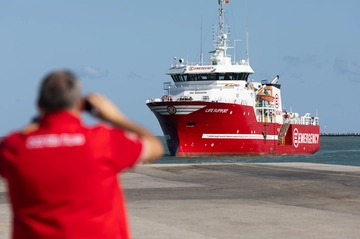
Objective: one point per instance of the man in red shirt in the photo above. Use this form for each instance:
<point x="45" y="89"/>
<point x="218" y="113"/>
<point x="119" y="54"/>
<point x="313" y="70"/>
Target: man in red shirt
<point x="62" y="175"/>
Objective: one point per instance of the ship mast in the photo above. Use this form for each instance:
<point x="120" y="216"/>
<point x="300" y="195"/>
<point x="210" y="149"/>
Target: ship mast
<point x="219" y="56"/>
<point x="247" y="37"/>
<point x="223" y="37"/>
<point x="201" y="47"/>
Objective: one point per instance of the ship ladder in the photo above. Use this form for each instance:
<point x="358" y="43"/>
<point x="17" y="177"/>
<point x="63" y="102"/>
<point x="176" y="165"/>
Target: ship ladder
<point x="283" y="132"/>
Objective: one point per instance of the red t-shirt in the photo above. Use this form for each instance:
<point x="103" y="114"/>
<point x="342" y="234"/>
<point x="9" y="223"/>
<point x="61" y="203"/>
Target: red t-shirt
<point x="62" y="179"/>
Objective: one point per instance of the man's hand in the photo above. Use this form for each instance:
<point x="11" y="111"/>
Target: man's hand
<point x="104" y="108"/>
<point x="29" y="128"/>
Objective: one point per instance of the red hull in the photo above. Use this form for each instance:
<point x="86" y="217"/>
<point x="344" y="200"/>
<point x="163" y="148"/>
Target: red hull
<point x="211" y="128"/>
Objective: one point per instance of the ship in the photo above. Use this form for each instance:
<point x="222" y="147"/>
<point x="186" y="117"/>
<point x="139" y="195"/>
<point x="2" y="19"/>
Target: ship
<point x="215" y="109"/>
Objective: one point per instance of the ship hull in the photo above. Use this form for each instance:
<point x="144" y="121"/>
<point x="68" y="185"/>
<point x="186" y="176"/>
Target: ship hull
<point x="213" y="129"/>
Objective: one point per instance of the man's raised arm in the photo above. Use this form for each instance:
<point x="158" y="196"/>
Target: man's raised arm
<point x="107" y="111"/>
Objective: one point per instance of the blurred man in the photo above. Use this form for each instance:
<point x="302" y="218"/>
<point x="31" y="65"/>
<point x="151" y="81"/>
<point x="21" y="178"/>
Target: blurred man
<point x="62" y="175"/>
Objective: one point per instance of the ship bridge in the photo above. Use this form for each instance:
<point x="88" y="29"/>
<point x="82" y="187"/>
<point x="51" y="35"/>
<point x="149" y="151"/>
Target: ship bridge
<point x="196" y="72"/>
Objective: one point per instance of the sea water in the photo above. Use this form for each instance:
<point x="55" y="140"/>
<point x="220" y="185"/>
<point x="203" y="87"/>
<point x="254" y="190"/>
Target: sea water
<point x="341" y="150"/>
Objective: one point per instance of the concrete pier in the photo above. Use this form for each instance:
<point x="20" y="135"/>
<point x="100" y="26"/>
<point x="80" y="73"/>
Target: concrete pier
<point x="275" y="200"/>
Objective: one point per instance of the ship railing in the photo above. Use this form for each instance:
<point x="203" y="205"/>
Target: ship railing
<point x="195" y="87"/>
<point x="304" y="120"/>
<point x="295" y="121"/>
<point x="227" y="100"/>
<point x="191" y="64"/>
<point x="243" y="102"/>
<point x="209" y="86"/>
<point x="264" y="108"/>
<point x="168" y="98"/>
<point x="154" y="100"/>
<point x="309" y="120"/>
<point x="230" y="100"/>
<point x="205" y="63"/>
<point x="263" y="103"/>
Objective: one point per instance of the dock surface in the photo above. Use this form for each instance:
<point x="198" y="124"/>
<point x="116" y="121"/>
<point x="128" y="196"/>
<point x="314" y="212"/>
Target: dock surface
<point x="273" y="200"/>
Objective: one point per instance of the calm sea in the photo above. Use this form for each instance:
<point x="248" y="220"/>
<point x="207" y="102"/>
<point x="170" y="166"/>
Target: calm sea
<point x="342" y="150"/>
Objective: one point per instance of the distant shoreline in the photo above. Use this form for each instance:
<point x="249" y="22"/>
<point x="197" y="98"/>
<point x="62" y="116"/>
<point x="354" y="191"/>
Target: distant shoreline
<point x="339" y="134"/>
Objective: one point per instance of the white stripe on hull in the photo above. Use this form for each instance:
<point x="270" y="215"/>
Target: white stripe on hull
<point x="238" y="136"/>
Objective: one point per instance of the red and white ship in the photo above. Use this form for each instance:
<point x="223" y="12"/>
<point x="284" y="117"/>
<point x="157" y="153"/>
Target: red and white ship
<point x="214" y="109"/>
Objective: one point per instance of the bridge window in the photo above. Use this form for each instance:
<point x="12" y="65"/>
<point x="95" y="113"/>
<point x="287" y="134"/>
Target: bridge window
<point x="202" y="77"/>
<point x="210" y="77"/>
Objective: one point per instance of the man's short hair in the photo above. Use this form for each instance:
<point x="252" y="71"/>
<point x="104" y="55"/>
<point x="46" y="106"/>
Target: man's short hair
<point x="59" y="90"/>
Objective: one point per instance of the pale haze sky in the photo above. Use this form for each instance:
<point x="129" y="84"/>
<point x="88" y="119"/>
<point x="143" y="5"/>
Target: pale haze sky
<point x="123" y="49"/>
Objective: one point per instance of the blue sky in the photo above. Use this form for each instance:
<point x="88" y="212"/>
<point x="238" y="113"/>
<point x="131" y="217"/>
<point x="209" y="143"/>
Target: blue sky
<point x="123" y="49"/>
